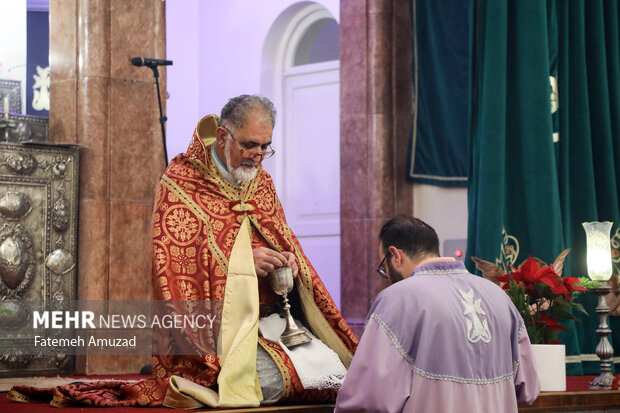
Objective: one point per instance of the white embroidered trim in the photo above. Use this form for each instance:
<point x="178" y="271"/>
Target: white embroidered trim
<point x="392" y="337"/>
<point x="433" y="376"/>
<point x="463" y="380"/>
<point x="440" y="272"/>
<point x="521" y="330"/>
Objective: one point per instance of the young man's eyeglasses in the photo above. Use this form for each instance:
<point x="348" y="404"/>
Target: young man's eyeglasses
<point x="248" y="149"/>
<point x="381" y="267"/>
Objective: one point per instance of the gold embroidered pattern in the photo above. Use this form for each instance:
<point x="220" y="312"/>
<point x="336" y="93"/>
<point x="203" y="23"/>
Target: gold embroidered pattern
<point x="159" y="257"/>
<point x="187" y="288"/>
<point x="286" y="377"/>
<point x="183" y="260"/>
<point x="256" y="226"/>
<point x="304" y="269"/>
<point x="242" y="207"/>
<point x="509" y="251"/>
<point x="182" y="224"/>
<point x="232" y="192"/>
<point x="189" y="202"/>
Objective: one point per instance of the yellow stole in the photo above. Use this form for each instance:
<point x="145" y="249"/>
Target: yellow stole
<point x="238" y="380"/>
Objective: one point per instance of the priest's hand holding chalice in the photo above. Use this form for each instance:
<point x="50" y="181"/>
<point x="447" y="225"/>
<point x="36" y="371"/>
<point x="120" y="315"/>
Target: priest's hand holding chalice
<point x="281" y="269"/>
<point x="282" y="283"/>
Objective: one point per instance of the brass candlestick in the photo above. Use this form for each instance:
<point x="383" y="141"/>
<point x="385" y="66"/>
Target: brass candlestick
<point x="281" y="281"/>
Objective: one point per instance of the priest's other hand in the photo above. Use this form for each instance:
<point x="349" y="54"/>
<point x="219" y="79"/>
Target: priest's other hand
<point x="266" y="259"/>
<point x="291" y="261"/>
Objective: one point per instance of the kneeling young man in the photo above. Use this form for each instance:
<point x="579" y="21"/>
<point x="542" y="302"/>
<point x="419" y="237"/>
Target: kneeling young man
<point x="439" y="339"/>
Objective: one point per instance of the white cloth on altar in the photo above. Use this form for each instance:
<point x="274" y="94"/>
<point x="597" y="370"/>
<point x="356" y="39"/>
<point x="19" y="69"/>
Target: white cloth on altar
<point x="317" y="365"/>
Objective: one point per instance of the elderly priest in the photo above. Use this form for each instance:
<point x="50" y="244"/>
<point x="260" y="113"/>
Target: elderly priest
<point x="218" y="229"/>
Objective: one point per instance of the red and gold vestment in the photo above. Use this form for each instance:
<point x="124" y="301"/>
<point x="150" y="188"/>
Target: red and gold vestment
<point x="196" y="219"/>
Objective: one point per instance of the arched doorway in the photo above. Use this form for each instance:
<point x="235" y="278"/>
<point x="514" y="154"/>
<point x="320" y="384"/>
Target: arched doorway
<point x="302" y="51"/>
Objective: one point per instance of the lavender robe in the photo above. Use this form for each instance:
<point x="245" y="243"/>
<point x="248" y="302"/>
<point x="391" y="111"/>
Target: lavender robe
<point x="442" y="340"/>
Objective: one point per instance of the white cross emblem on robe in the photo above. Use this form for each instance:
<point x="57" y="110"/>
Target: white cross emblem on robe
<point x="476" y="329"/>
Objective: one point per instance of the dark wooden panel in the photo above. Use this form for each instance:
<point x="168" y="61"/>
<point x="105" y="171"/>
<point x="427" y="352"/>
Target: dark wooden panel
<point x="575" y="401"/>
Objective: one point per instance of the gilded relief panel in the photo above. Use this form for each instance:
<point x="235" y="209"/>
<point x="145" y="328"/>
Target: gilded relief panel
<point x="38" y="251"/>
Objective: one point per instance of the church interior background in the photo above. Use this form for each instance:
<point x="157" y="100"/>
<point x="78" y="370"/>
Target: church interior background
<point x="339" y="72"/>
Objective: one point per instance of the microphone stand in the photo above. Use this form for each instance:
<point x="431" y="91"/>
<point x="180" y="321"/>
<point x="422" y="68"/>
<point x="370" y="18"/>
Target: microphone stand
<point x="162" y="118"/>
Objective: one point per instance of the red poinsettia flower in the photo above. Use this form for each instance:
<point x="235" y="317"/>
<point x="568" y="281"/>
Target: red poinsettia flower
<point x="570" y="283"/>
<point x="556" y="285"/>
<point x="516" y="276"/>
<point x="530" y="271"/>
<point x="540" y="294"/>
<point x="503" y="279"/>
<point x="512" y="276"/>
<point x="551" y="323"/>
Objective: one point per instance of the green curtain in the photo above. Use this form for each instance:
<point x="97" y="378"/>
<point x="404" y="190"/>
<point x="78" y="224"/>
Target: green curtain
<point x="545" y="140"/>
<point x="441" y="51"/>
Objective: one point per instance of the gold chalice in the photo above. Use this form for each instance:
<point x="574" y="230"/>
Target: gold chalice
<point x="281" y="281"/>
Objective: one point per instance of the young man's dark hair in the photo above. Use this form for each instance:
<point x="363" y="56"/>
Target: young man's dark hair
<point x="412" y="235"/>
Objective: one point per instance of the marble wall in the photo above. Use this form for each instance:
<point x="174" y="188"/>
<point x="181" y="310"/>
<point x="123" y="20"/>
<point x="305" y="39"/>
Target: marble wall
<point x="109" y="108"/>
<point x="375" y="122"/>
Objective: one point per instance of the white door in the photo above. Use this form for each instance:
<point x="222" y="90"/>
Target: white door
<point x="311" y="170"/>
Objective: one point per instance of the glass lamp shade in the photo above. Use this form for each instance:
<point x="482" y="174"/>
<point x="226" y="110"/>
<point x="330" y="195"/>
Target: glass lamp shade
<point x="599" y="250"/>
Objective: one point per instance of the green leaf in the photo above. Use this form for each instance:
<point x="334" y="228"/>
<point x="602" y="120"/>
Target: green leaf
<point x="580" y="308"/>
<point x="588" y="283"/>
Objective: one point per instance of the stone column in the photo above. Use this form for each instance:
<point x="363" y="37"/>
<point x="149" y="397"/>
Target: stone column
<point x="109" y="108"/>
<point x="375" y="107"/>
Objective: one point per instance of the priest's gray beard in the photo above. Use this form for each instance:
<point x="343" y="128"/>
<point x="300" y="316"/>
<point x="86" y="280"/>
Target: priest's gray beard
<point x="242" y="173"/>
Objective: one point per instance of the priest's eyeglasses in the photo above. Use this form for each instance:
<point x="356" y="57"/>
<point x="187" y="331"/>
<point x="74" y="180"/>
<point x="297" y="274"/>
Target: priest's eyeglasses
<point x="248" y="149"/>
<point x="381" y="267"/>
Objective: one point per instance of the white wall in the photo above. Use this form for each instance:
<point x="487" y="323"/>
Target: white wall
<point x="222" y="49"/>
<point x="443" y="208"/>
<point x="216" y="47"/>
<point x="13" y="43"/>
<point x="183" y="77"/>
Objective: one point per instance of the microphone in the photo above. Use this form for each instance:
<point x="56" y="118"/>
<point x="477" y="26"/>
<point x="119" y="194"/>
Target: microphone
<point x="149" y="62"/>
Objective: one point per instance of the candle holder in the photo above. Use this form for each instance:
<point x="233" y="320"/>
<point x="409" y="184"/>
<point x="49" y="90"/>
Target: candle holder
<point x="7" y="125"/>
<point x="7" y="128"/>
<point x="604" y="350"/>
<point x="599" y="269"/>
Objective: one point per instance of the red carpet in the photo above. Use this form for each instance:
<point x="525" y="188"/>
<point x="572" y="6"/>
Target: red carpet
<point x="578" y="383"/>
